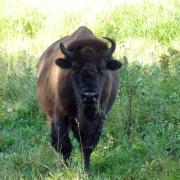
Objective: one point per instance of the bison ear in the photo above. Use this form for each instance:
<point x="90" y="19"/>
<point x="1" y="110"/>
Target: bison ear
<point x="113" y="65"/>
<point x="63" y="63"/>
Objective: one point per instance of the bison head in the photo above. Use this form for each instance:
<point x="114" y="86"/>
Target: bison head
<point x="89" y="62"/>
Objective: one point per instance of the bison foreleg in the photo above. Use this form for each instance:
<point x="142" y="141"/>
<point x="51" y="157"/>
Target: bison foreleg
<point x="59" y="137"/>
<point x="90" y="139"/>
<point x="87" y="154"/>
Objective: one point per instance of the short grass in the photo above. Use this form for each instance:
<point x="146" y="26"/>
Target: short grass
<point x="141" y="137"/>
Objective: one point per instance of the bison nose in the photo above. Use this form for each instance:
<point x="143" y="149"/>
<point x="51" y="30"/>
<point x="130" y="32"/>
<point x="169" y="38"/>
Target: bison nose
<point x="89" y="96"/>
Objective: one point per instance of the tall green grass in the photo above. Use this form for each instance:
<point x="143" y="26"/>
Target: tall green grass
<point x="140" y="138"/>
<point x="150" y="20"/>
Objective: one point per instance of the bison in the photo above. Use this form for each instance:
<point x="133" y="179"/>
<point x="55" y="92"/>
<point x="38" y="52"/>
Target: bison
<point x="77" y="84"/>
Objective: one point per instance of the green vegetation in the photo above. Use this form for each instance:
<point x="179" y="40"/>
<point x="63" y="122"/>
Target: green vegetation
<point x="141" y="137"/>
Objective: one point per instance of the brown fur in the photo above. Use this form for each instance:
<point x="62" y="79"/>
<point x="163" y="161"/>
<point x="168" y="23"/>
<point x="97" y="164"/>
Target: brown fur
<point x="55" y="89"/>
<point x="49" y="74"/>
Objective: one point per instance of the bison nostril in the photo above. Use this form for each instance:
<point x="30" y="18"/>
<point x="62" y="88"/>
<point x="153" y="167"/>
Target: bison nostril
<point x="89" y="96"/>
<point x="84" y="99"/>
<point x="94" y="99"/>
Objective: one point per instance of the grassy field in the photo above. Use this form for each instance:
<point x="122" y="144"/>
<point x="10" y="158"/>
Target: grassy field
<point x="141" y="137"/>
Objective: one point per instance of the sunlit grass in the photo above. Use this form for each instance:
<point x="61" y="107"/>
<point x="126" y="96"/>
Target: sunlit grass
<point x="36" y="24"/>
<point x="148" y="34"/>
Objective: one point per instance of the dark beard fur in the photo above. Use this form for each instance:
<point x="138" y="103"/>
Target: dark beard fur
<point x="90" y="112"/>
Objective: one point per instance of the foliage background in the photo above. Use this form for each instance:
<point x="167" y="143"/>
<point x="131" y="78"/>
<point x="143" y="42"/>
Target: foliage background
<point x="140" y="138"/>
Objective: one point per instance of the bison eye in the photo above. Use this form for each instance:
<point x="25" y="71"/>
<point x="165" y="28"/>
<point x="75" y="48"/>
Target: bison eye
<point x="75" y="66"/>
<point x="101" y="69"/>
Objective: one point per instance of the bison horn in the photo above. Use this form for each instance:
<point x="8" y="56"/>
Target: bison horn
<point x="113" y="45"/>
<point x="65" y="51"/>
